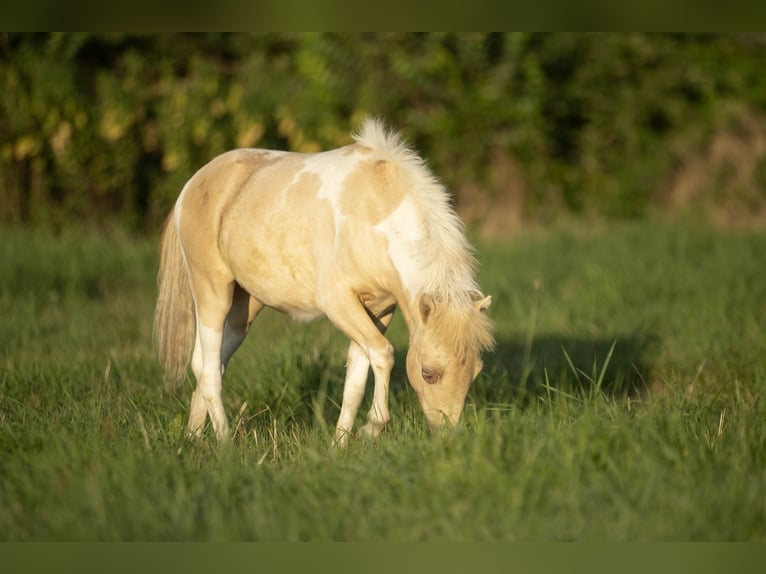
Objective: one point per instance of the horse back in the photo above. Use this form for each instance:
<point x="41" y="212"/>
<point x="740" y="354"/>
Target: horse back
<point x="284" y="224"/>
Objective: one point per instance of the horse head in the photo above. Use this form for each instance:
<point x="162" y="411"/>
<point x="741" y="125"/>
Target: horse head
<point x="444" y="355"/>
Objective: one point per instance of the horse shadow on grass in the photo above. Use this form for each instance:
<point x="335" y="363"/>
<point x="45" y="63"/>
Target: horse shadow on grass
<point x="517" y="371"/>
<point x="516" y="374"/>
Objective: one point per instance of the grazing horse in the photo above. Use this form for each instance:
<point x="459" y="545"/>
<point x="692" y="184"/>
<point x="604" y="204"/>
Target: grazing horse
<point x="349" y="234"/>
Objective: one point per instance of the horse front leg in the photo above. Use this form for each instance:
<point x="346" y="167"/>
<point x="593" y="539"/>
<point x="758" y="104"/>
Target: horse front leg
<point x="368" y="348"/>
<point x="378" y="415"/>
<point x="357" y="367"/>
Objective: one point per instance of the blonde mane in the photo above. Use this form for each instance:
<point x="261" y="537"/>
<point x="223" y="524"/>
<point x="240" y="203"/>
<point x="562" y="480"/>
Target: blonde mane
<point x="445" y="255"/>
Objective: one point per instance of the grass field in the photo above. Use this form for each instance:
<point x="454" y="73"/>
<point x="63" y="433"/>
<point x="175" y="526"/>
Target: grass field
<point x="623" y="402"/>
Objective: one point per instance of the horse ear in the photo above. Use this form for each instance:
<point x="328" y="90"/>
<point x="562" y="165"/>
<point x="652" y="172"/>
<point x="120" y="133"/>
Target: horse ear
<point x="425" y="306"/>
<point x="483" y="304"/>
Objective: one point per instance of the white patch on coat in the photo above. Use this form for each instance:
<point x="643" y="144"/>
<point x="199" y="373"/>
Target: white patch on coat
<point x="403" y="229"/>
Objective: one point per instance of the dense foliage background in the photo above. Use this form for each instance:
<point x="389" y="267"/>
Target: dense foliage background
<point x="106" y="128"/>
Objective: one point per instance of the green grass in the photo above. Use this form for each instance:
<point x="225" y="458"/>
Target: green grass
<point x="623" y="403"/>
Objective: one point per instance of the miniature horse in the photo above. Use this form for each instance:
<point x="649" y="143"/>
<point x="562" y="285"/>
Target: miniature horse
<point x="350" y="234"/>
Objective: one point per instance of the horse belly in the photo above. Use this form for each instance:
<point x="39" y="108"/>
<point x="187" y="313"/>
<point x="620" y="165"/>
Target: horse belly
<point x="279" y="276"/>
<point x="275" y="257"/>
<point x="284" y="293"/>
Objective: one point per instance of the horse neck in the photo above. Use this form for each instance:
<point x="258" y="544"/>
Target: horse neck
<point x="428" y="249"/>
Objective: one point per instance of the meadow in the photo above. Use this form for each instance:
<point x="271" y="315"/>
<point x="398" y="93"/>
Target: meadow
<point x="623" y="402"/>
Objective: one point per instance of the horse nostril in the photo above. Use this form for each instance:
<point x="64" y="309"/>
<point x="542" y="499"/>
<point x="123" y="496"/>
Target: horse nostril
<point x="439" y="420"/>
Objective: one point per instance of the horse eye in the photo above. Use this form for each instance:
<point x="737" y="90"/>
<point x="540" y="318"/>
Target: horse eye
<point x="430" y="376"/>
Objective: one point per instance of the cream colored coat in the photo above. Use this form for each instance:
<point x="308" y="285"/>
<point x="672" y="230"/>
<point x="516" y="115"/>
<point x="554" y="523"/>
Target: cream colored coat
<point x="350" y="234"/>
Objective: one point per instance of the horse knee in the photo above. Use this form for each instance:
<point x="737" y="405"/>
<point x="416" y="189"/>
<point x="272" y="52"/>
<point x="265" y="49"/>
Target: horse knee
<point x="382" y="359"/>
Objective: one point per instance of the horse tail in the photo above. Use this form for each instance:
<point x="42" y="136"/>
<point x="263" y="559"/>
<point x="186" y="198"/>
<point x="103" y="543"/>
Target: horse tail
<point x="174" y="320"/>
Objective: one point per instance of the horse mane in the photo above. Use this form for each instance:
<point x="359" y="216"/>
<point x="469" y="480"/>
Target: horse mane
<point x="444" y="254"/>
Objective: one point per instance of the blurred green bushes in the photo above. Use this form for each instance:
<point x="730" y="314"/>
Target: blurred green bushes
<point x="104" y="128"/>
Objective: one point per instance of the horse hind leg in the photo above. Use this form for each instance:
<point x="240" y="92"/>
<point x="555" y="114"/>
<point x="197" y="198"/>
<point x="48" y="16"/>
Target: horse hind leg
<point x="213" y="303"/>
<point x="244" y="309"/>
<point x="197" y="408"/>
<point x="241" y="314"/>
